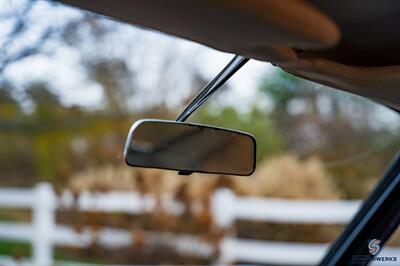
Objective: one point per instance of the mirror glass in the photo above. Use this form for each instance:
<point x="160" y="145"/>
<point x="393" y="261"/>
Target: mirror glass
<point x="190" y="148"/>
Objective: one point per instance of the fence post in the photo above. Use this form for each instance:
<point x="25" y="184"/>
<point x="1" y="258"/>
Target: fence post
<point x="222" y="206"/>
<point x="43" y="224"/>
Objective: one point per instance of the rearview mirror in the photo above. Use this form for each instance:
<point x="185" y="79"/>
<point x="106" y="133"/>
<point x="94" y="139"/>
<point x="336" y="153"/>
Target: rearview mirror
<point x="188" y="148"/>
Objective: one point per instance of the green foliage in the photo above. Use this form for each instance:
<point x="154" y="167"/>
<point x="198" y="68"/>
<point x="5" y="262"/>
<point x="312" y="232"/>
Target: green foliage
<point x="52" y="141"/>
<point x="256" y="122"/>
<point x="280" y="88"/>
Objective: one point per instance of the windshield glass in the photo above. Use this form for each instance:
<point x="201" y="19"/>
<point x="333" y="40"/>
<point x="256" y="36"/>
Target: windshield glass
<point x="73" y="83"/>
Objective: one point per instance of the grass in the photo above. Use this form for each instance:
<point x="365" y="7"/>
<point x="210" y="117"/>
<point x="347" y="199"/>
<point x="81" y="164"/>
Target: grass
<point x="20" y="250"/>
<point x="15" y="249"/>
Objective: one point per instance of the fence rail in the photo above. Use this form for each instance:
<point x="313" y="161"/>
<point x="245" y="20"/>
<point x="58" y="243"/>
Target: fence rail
<point x="43" y="233"/>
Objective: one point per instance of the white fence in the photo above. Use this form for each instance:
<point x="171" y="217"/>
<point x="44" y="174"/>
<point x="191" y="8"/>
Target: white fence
<point x="43" y="233"/>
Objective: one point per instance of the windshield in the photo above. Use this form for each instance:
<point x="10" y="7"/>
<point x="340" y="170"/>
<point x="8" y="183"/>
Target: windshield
<point x="73" y="83"/>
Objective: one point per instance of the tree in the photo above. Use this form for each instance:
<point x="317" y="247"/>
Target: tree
<point x="9" y="107"/>
<point x="256" y="122"/>
<point x="335" y="126"/>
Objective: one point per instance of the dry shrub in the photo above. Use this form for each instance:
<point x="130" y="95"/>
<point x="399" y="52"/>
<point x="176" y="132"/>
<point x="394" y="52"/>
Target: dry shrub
<point x="287" y="176"/>
<point x="105" y="178"/>
<point x="122" y="178"/>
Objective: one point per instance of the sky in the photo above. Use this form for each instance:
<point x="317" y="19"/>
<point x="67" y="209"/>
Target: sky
<point x="65" y="73"/>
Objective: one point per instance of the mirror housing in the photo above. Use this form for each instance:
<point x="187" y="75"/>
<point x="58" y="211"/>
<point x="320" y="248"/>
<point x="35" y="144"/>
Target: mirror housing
<point x="188" y="147"/>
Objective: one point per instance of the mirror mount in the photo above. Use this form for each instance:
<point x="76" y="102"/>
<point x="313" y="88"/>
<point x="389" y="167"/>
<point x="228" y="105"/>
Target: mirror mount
<point x="234" y="65"/>
<point x="185" y="172"/>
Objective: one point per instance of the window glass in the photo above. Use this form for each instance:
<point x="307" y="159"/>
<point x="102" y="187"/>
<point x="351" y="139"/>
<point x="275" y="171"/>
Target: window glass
<point x="73" y="83"/>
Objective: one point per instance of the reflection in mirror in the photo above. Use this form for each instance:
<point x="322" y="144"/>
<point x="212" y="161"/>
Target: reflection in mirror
<point x="190" y="148"/>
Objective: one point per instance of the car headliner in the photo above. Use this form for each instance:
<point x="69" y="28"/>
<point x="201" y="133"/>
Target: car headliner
<point x="362" y="34"/>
